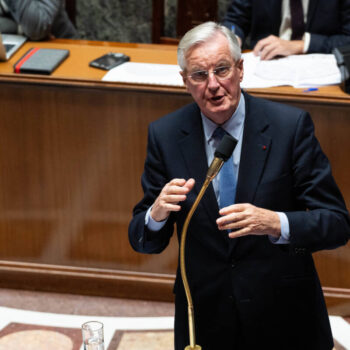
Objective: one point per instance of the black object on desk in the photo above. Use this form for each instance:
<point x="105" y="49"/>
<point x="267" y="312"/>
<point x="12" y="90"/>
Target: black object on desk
<point x="40" y="61"/>
<point x="109" y="61"/>
<point x="342" y="55"/>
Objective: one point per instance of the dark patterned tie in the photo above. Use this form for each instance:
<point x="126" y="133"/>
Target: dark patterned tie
<point x="297" y="19"/>
<point x="227" y="180"/>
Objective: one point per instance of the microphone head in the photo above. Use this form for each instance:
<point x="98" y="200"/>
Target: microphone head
<point x="225" y="148"/>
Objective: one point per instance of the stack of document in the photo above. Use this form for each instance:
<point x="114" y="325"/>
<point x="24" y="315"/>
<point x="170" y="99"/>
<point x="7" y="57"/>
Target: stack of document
<point x="298" y="71"/>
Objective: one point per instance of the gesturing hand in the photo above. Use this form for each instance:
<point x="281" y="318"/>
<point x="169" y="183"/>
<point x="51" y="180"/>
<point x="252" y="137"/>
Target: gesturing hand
<point x="172" y="193"/>
<point x="247" y="219"/>
<point x="273" y="46"/>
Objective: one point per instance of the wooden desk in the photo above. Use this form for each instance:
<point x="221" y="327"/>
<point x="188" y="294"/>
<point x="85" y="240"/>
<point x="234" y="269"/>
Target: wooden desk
<point x="72" y="150"/>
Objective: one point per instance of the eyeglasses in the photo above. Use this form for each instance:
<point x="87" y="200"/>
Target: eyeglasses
<point x="221" y="73"/>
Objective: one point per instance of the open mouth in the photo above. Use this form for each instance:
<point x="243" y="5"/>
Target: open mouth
<point x="217" y="98"/>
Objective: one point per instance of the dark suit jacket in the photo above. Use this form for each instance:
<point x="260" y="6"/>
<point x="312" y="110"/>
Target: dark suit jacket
<point x="328" y="22"/>
<point x="248" y="290"/>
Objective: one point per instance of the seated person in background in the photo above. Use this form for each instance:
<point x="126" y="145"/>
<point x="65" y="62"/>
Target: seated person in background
<point x="289" y="27"/>
<point x="36" y="19"/>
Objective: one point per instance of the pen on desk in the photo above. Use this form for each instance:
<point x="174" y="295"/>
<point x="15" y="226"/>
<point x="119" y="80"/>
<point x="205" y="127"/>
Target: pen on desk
<point x="310" y="89"/>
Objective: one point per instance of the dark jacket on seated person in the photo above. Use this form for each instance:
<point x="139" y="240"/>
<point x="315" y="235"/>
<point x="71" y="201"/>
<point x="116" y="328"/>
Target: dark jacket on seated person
<point x="36" y="19"/>
<point x="328" y="22"/>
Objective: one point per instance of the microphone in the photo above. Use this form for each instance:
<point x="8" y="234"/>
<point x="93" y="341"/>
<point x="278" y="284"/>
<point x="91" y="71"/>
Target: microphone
<point x="221" y="155"/>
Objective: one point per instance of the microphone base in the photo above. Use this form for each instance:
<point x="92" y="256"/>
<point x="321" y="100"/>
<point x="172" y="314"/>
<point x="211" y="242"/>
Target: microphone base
<point x="196" y="347"/>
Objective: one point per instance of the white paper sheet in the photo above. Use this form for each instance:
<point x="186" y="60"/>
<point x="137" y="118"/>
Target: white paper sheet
<point x="297" y="70"/>
<point x="145" y="73"/>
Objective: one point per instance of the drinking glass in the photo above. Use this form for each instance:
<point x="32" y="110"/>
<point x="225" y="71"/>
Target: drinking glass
<point x="93" y="335"/>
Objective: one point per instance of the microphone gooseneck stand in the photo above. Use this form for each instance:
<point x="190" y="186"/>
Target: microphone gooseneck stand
<point x="222" y="153"/>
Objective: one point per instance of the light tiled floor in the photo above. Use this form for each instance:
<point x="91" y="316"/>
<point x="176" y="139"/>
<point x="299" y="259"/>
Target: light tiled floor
<point x="37" y="318"/>
<point x="128" y="324"/>
<point x="117" y="330"/>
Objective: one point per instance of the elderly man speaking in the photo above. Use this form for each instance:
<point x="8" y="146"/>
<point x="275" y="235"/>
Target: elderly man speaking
<point x="249" y="244"/>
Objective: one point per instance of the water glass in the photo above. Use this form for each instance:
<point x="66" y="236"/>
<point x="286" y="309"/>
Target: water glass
<point x="93" y="335"/>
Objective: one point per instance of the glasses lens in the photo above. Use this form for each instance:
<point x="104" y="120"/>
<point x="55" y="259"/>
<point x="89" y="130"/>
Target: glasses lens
<point x="199" y="76"/>
<point x="222" y="72"/>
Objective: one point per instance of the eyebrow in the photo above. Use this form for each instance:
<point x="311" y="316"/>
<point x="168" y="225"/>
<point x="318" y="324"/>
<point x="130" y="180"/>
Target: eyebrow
<point x="217" y="65"/>
<point x="196" y="69"/>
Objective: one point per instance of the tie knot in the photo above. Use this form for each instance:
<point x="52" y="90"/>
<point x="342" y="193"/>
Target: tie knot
<point x="219" y="133"/>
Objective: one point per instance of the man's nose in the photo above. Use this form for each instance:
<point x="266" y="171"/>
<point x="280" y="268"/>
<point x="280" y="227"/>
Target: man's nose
<point x="213" y="82"/>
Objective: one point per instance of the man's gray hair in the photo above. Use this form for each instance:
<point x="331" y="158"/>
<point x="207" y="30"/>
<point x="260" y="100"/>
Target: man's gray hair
<point x="200" y="34"/>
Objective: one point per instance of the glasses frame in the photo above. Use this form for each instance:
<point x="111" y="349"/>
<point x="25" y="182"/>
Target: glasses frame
<point x="214" y="71"/>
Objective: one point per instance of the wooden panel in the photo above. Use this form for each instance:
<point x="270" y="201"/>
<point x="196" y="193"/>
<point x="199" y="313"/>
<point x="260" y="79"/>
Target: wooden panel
<point x="72" y="150"/>
<point x="113" y="283"/>
<point x="337" y="300"/>
<point x="191" y="13"/>
<point x="157" y="20"/>
<point x="71" y="163"/>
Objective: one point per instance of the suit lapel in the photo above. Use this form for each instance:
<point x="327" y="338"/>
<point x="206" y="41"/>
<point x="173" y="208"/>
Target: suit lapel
<point x="193" y="150"/>
<point x="273" y="9"/>
<point x="255" y="150"/>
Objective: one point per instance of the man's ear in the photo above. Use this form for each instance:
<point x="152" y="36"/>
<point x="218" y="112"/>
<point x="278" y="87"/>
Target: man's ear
<point x="183" y="75"/>
<point x="239" y="65"/>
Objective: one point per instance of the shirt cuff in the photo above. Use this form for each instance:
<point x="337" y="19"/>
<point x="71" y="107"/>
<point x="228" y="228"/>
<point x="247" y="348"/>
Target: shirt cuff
<point x="151" y="224"/>
<point x="285" y="234"/>
<point x="306" y="39"/>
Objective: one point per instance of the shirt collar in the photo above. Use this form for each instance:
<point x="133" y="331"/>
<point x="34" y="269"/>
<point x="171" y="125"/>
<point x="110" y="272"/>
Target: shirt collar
<point x="232" y="126"/>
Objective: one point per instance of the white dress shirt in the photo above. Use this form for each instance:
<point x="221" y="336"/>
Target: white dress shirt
<point x="286" y="25"/>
